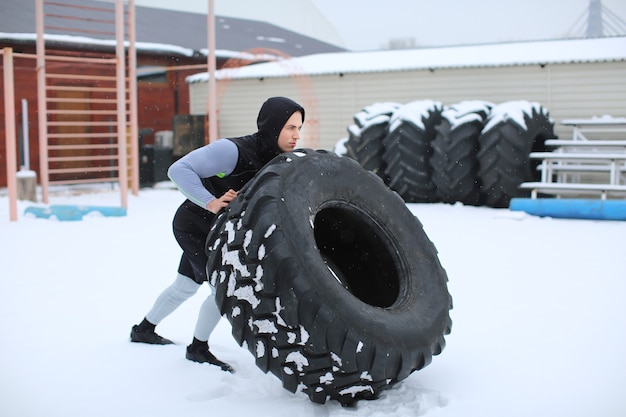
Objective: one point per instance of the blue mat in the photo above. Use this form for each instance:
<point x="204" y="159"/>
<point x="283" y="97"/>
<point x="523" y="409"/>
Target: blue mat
<point x="73" y="213"/>
<point x="570" y="208"/>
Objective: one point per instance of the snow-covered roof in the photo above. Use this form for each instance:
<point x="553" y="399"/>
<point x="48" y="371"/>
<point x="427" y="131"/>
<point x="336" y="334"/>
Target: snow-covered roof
<point x="157" y="30"/>
<point x="140" y="46"/>
<point x="488" y="55"/>
<point x="82" y="40"/>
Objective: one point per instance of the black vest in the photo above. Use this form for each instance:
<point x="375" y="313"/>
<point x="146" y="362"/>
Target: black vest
<point x="255" y="150"/>
<point x="252" y="157"/>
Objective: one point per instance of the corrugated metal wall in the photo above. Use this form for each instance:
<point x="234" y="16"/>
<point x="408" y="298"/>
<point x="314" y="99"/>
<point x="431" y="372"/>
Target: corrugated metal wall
<point x="566" y="90"/>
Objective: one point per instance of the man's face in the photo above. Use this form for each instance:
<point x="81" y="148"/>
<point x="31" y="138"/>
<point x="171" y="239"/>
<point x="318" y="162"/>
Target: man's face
<point x="290" y="133"/>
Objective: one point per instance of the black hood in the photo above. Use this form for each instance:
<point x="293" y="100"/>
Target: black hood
<point x="257" y="149"/>
<point x="272" y="117"/>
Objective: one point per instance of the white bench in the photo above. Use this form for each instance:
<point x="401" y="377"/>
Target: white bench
<point x="619" y="144"/>
<point x="574" y="188"/>
<point x="584" y="146"/>
<point x="580" y="156"/>
<point x="552" y="162"/>
<point x="581" y="162"/>
<point x="605" y="124"/>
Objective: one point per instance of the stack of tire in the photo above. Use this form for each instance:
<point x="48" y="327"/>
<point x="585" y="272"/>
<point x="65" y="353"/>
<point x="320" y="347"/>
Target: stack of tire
<point x="473" y="152"/>
<point x="366" y="136"/>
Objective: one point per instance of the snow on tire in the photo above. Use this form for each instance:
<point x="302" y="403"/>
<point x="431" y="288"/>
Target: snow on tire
<point x="407" y="150"/>
<point x="365" y="140"/>
<point x="334" y="288"/>
<point x="513" y="130"/>
<point x="454" y="163"/>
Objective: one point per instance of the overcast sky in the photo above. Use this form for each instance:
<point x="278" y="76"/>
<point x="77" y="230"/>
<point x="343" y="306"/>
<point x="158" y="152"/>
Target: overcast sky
<point x="369" y="25"/>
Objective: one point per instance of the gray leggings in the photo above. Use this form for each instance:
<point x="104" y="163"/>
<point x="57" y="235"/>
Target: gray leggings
<point x="176" y="294"/>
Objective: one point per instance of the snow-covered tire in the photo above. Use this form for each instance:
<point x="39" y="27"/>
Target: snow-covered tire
<point x="340" y="147"/>
<point x="407" y="150"/>
<point x="365" y="136"/>
<point x="334" y="288"/>
<point x="454" y="163"/>
<point x="513" y="130"/>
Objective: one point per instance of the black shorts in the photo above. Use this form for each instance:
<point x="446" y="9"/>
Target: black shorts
<point x="191" y="227"/>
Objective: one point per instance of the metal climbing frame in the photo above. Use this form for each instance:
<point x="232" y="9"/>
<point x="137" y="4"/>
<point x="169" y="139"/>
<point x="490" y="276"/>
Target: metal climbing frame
<point x="9" y="115"/>
<point x="87" y="120"/>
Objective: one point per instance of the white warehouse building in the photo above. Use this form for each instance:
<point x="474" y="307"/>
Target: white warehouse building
<point x="573" y="79"/>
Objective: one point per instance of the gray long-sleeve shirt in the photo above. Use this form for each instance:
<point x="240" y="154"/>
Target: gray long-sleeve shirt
<point x="217" y="158"/>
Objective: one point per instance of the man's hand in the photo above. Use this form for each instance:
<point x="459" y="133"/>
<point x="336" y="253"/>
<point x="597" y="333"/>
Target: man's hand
<point x="215" y="205"/>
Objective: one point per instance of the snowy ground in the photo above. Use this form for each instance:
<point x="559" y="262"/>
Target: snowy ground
<point x="539" y="320"/>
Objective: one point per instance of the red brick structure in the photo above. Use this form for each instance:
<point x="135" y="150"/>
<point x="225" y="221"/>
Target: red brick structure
<point x="170" y="46"/>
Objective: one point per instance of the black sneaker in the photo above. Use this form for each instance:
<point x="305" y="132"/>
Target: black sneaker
<point x="205" y="356"/>
<point x="147" y="336"/>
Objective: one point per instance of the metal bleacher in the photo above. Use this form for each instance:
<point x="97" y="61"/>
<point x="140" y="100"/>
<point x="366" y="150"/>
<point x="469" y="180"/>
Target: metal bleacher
<point x="584" y="165"/>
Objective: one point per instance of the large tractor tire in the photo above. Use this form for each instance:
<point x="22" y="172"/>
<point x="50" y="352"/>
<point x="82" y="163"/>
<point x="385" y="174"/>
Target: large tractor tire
<point x="365" y="136"/>
<point x="407" y="150"/>
<point x="454" y="163"/>
<point x="513" y="130"/>
<point x="328" y="279"/>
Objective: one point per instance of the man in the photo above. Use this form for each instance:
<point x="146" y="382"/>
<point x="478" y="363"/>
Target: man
<point x="210" y="178"/>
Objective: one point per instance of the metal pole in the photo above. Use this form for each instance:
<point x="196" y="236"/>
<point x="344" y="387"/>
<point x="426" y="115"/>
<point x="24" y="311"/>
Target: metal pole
<point x="211" y="64"/>
<point x="9" y="120"/>
<point x="42" y="110"/>
<point x="121" y="103"/>
<point x="25" y="133"/>
<point x="132" y="76"/>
